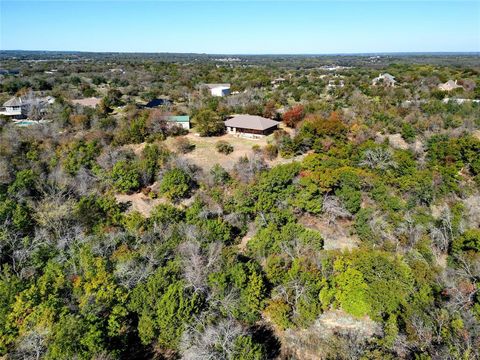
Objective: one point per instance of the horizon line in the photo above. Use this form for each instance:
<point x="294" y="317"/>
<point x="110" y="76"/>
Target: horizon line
<point x="473" y="52"/>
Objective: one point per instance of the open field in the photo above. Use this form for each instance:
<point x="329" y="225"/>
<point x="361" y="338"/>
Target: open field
<point x="205" y="155"/>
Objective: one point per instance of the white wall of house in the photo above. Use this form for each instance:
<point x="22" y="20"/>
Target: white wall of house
<point x="185" y="125"/>
<point x="12" y="111"/>
<point x="220" y="91"/>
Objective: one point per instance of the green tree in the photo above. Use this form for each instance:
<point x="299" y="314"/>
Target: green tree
<point x="176" y="184"/>
<point x="81" y="154"/>
<point x="208" y="123"/>
<point x="125" y="176"/>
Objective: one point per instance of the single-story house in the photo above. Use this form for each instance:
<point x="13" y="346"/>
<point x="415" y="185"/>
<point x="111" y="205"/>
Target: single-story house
<point x="180" y="120"/>
<point x="384" y="79"/>
<point x="218" y="89"/>
<point x="250" y="125"/>
<point x="88" y="102"/>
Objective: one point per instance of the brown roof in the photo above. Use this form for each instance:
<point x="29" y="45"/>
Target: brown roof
<point x="91" y="102"/>
<point x="253" y="122"/>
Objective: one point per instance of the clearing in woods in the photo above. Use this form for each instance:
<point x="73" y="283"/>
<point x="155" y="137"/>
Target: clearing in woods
<point x="205" y="155"/>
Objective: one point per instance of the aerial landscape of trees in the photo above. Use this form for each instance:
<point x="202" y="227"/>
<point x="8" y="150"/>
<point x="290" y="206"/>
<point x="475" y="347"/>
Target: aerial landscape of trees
<point x="352" y="232"/>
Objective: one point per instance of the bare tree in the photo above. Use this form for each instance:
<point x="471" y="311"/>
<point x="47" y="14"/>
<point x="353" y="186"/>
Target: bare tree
<point x="197" y="263"/>
<point x="248" y="167"/>
<point x="378" y="158"/>
<point x="461" y="282"/>
<point x="381" y="227"/>
<point x="31" y="346"/>
<point x="6" y="171"/>
<point x="333" y="209"/>
<point x="410" y="229"/>
<point x="442" y="235"/>
<point x="54" y="212"/>
<point x="211" y="342"/>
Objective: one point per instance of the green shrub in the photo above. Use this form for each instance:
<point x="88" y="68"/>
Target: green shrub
<point x="176" y="184"/>
<point x="208" y="123"/>
<point x="468" y="241"/>
<point x="224" y="147"/>
<point x="125" y="176"/>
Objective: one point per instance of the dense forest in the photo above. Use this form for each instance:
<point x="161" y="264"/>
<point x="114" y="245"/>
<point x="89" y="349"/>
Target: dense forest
<point x="352" y="232"/>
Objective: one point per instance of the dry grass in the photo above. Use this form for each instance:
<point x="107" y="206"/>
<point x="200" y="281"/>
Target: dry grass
<point x="335" y="236"/>
<point x="139" y="202"/>
<point x="205" y="155"/>
<point x="318" y="341"/>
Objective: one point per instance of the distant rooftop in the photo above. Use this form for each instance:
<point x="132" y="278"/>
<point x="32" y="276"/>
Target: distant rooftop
<point x="211" y="86"/>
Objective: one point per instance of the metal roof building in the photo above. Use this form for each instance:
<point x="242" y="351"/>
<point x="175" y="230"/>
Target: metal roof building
<point x="250" y="124"/>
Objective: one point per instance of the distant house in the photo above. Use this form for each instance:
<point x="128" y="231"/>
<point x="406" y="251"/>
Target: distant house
<point x="461" y="101"/>
<point x="180" y="120"/>
<point x="19" y="107"/>
<point x="218" y="89"/>
<point x="250" y="125"/>
<point x="449" y="85"/>
<point x="9" y="72"/>
<point x="334" y="83"/>
<point x="88" y="102"/>
<point x="276" y="82"/>
<point x="158" y="102"/>
<point x="384" y="79"/>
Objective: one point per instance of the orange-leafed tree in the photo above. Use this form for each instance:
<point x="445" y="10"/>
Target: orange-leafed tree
<point x="293" y="116"/>
<point x="332" y="126"/>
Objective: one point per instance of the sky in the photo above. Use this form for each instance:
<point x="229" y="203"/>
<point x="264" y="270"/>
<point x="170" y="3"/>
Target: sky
<point x="238" y="27"/>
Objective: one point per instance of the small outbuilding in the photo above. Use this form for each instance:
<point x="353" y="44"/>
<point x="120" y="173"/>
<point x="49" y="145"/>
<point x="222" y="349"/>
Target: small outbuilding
<point x="218" y="89"/>
<point x="250" y="125"/>
<point x="180" y="120"/>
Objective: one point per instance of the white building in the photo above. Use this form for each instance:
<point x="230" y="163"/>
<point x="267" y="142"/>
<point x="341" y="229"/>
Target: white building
<point x="19" y="107"/>
<point x="218" y="89"/>
<point x="179" y="120"/>
<point x="14" y="107"/>
<point x="384" y="79"/>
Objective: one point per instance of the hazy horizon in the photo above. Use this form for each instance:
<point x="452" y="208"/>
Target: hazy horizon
<point x="248" y="54"/>
<point x="242" y="28"/>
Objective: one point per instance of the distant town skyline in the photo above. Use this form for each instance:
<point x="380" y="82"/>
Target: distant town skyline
<point x="237" y="27"/>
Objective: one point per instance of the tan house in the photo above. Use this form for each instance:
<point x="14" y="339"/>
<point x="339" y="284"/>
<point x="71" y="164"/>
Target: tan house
<point x="250" y="126"/>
